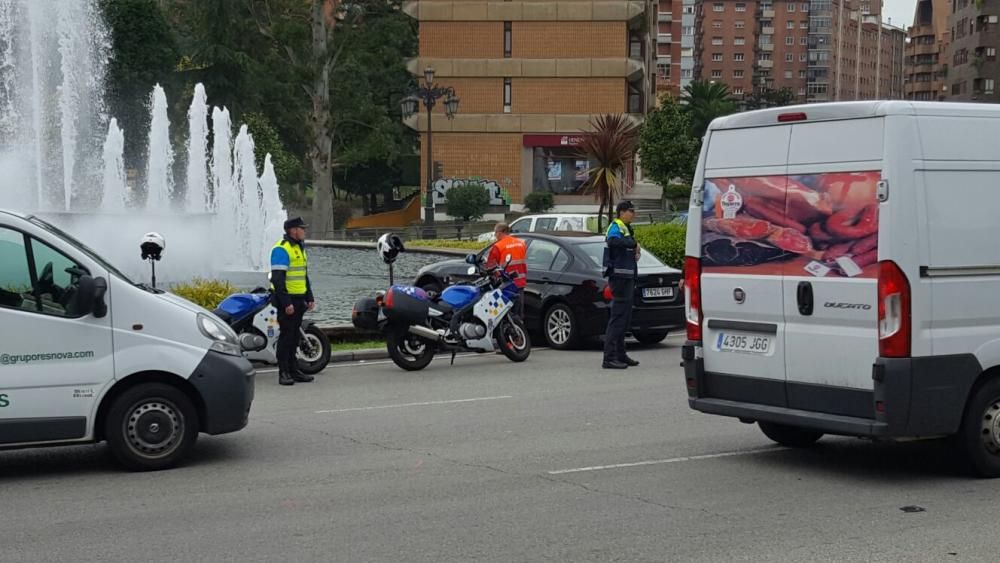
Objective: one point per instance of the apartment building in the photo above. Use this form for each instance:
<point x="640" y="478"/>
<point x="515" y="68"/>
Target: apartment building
<point x="973" y="71"/>
<point x="530" y="76"/>
<point x="675" y="46"/>
<point x="926" y="64"/>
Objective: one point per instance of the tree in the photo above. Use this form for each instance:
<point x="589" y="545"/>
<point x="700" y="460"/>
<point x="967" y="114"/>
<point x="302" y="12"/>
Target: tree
<point x="609" y="148"/>
<point x="467" y="201"/>
<point x="769" y="98"/>
<point x="706" y="101"/>
<point x="667" y="147"/>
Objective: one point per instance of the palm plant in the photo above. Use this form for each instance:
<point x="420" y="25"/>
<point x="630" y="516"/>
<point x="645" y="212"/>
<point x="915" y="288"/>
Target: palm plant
<point x="609" y="149"/>
<point x="705" y="101"/>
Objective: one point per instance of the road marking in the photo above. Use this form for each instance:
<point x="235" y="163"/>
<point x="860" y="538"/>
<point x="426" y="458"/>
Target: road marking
<point x="428" y="403"/>
<point x="671" y="460"/>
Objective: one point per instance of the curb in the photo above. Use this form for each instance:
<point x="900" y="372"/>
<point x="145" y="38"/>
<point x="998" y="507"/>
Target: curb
<point x="359" y="355"/>
<point x="371" y="246"/>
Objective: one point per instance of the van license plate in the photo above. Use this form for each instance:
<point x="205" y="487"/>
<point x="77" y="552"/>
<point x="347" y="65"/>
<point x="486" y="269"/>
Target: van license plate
<point x="743" y="343"/>
<point x="648" y="292"/>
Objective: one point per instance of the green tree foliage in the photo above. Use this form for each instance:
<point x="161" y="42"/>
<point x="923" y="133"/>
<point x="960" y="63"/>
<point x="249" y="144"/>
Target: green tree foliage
<point x="704" y="102"/>
<point x="266" y="140"/>
<point x="609" y="148"/>
<point x="666" y="144"/>
<point x="468" y="201"/>
<point x="769" y="98"/>
<point x="539" y="202"/>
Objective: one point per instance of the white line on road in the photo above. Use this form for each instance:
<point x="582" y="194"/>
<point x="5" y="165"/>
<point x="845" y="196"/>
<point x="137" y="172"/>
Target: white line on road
<point x="428" y="403"/>
<point x="671" y="460"/>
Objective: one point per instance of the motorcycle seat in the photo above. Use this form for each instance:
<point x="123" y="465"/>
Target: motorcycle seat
<point x="226" y="317"/>
<point x="442" y="306"/>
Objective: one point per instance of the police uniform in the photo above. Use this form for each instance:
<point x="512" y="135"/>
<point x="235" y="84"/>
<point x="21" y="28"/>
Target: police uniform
<point x="621" y="270"/>
<point x="290" y="286"/>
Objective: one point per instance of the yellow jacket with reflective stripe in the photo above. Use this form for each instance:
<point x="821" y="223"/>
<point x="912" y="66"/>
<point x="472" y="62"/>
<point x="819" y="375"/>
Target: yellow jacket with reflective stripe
<point x="295" y="278"/>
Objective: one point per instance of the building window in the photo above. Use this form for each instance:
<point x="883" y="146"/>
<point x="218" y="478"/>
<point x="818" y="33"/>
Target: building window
<point x="789" y="24"/>
<point x="687" y="73"/>
<point x="802" y="91"/>
<point x="716" y="41"/>
<point x="738" y="91"/>
<point x="791" y="7"/>
<point x="789" y="40"/>
<point x="558" y="170"/>
<point x="802" y="74"/>
<point x="788" y="74"/>
<point x="716" y="57"/>
<point x="991" y="53"/>
<point x="740" y="24"/>
<point x="738" y="57"/>
<point x="507" y="40"/>
<point x="719" y="7"/>
<point x="717" y="24"/>
<point x="741" y="7"/>
<point x="802" y="57"/>
<point x="765" y="56"/>
<point x="740" y="41"/>
<point x="737" y="74"/>
<point x="805" y="7"/>
<point x="687" y="52"/>
<point x="803" y="40"/>
<point x="634" y="98"/>
<point x="789" y="57"/>
<point x="506" y="95"/>
<point x="716" y="74"/>
<point x="688" y="9"/>
<point x="687" y="30"/>
<point x="804" y="25"/>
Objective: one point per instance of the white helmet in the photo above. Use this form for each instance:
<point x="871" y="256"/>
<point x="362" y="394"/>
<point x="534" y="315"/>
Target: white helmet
<point x="389" y="246"/>
<point x="152" y="246"/>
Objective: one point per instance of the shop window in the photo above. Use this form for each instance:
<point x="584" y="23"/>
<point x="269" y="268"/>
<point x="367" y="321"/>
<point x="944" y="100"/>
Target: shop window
<point x="559" y="170"/>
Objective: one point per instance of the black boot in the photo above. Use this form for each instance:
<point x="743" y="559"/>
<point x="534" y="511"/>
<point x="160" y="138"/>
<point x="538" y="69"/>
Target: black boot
<point x="299" y="376"/>
<point x="284" y="377"/>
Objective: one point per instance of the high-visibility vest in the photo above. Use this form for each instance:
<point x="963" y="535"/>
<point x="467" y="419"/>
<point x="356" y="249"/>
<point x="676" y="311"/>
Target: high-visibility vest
<point x="518" y="252"/>
<point x="295" y="277"/>
<point x="616" y="261"/>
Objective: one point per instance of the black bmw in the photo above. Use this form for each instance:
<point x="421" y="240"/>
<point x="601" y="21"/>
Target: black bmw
<point x="565" y="299"/>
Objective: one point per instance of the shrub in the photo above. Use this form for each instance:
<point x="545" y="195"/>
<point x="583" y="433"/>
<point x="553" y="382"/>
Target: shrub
<point x="342" y="211"/>
<point x="459" y="244"/>
<point x="677" y="192"/>
<point x="539" y="202"/>
<point x="207" y="293"/>
<point x="468" y="201"/>
<point x="666" y="242"/>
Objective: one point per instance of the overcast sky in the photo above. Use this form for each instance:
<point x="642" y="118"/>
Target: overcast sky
<point x="900" y="11"/>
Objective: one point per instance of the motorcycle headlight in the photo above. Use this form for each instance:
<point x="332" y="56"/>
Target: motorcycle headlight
<point x="223" y="338"/>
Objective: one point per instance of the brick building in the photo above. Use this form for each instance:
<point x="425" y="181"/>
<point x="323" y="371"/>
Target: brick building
<point x="973" y="70"/>
<point x="926" y="66"/>
<point x="530" y="75"/>
<point x="675" y="46"/>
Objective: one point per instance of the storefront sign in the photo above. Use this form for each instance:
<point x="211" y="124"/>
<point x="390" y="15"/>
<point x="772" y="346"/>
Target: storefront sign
<point x="552" y="140"/>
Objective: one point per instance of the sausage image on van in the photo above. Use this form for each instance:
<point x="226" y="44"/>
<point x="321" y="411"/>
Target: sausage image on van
<point x="844" y="273"/>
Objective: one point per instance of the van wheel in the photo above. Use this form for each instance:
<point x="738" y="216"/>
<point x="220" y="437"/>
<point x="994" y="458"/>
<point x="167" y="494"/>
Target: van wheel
<point x="980" y="431"/>
<point x="559" y="327"/>
<point x="791" y="436"/>
<point x="151" y="427"/>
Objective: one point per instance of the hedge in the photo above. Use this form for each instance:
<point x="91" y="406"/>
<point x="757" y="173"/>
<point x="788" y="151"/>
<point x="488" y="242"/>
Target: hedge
<point x="666" y="241"/>
<point x="207" y="293"/>
<point x="459" y="244"/>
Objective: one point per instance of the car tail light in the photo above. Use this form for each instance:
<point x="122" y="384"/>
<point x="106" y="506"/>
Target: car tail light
<point x="608" y="296"/>
<point x="894" y="324"/>
<point x="692" y="297"/>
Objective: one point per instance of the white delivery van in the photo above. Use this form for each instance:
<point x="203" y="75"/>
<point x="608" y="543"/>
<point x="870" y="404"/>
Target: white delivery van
<point x="843" y="273"/>
<point x="86" y="355"/>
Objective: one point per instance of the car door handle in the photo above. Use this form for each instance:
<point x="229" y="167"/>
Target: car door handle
<point x="804" y="293"/>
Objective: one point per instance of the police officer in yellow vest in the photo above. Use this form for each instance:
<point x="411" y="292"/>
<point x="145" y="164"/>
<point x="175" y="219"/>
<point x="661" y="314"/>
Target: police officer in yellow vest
<point x="621" y="269"/>
<point x="292" y="296"/>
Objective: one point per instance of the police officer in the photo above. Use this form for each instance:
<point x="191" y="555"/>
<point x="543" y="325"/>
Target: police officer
<point x="620" y="268"/>
<point x="292" y="297"/>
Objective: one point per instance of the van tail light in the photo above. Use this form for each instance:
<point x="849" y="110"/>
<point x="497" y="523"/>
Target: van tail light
<point x="894" y="322"/>
<point x="692" y="297"/>
<point x="788" y="117"/>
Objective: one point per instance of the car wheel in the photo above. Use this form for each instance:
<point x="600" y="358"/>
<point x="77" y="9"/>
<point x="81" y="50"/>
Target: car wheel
<point x="151" y="426"/>
<point x="790" y="436"/>
<point x="979" y="435"/>
<point x="560" y="328"/>
<point x="650" y="338"/>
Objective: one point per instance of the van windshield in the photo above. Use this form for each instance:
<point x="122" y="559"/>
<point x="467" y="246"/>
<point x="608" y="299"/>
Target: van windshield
<point x="79" y="246"/>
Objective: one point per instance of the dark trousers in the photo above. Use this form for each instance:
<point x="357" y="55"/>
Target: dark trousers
<point x="288" y="340"/>
<point x="620" y="318"/>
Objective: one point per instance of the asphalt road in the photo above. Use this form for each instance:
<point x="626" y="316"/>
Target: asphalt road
<point x="551" y="460"/>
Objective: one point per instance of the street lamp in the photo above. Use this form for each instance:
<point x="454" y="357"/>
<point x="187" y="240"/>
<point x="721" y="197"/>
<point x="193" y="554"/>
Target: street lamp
<point x="428" y="94"/>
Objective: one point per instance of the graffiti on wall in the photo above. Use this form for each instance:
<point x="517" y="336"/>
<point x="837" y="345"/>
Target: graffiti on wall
<point x="498" y="195"/>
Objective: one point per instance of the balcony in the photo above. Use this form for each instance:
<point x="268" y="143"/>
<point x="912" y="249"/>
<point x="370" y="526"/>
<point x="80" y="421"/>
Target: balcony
<point x="765" y="64"/>
<point x="664" y="38"/>
<point x="767" y="14"/>
<point x="767" y="31"/>
<point x="665" y="17"/>
<point x="769" y="48"/>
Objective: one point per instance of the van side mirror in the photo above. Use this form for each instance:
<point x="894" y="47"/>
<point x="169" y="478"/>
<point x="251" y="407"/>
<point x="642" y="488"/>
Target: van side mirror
<point x="100" y="305"/>
<point x="82" y="301"/>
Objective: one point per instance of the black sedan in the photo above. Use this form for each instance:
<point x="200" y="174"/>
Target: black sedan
<point x="565" y="299"/>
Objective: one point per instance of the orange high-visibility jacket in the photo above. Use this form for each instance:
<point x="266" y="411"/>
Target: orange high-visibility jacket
<point x="518" y="252"/>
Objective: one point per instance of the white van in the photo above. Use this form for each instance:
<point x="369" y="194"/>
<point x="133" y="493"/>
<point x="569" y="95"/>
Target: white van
<point x="845" y="278"/>
<point x="86" y="355"/>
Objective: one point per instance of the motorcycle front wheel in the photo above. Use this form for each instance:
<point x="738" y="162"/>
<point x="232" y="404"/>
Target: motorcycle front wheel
<point x="408" y="351"/>
<point x="313" y="353"/>
<point x="513" y="340"/>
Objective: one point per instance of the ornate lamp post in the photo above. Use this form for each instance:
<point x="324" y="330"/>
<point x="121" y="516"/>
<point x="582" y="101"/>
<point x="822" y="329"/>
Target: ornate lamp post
<point x="428" y="94"/>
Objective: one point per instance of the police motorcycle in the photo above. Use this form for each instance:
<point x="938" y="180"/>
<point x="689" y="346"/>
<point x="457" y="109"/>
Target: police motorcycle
<point x="416" y="323"/>
<point x="255" y="321"/>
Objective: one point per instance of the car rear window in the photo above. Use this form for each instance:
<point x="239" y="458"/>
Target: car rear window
<point x="595" y="251"/>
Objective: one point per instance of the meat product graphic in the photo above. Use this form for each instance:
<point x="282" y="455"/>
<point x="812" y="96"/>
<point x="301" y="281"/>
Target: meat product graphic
<point x="850" y="189"/>
<point x="837" y="250"/>
<point x="867" y="258"/>
<point x="853" y="223"/>
<point x="818" y="233"/>
<point x="740" y="227"/>
<point x="772" y="212"/>
<point x="793" y="241"/>
<point x="803" y="203"/>
<point x="864" y="245"/>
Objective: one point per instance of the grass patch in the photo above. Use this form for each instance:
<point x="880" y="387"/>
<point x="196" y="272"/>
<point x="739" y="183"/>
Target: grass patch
<point x="207" y="293"/>
<point x="350" y="346"/>
<point x="459" y="244"/>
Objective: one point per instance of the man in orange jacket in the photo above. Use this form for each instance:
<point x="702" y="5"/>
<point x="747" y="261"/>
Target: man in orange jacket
<point x="509" y="245"/>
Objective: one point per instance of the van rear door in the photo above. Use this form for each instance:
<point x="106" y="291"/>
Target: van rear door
<point x="742" y="283"/>
<point x="830" y="293"/>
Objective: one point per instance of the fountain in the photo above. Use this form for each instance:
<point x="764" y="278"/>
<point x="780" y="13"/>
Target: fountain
<point x="62" y="155"/>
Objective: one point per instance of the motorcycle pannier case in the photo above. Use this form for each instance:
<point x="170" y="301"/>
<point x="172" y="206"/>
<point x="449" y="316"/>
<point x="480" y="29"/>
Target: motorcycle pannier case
<point x="365" y="314"/>
<point x="406" y="304"/>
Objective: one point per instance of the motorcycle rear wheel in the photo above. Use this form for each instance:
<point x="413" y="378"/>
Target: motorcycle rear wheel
<point x="513" y="340"/>
<point x="408" y="351"/>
